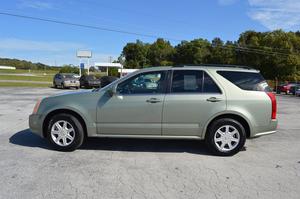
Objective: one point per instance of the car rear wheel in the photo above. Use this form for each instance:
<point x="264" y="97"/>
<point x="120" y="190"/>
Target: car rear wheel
<point x="225" y="137"/>
<point x="65" y="132"/>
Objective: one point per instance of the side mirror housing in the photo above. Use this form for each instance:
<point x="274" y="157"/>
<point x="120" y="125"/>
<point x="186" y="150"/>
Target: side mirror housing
<point x="112" y="91"/>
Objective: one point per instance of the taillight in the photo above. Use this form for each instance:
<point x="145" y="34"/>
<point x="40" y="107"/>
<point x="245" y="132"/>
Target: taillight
<point x="274" y="104"/>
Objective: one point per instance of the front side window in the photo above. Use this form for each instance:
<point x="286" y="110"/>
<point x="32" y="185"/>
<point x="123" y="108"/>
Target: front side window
<point x="145" y="83"/>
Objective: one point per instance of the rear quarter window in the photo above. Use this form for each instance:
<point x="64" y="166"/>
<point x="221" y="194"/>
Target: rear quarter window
<point x="250" y="81"/>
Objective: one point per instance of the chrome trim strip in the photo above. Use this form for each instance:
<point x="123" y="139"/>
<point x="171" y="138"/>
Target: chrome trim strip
<point x="264" y="133"/>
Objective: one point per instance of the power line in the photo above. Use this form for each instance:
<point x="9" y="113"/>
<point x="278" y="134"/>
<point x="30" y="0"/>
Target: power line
<point x="84" y="26"/>
<point x="243" y="49"/>
<point x="257" y="51"/>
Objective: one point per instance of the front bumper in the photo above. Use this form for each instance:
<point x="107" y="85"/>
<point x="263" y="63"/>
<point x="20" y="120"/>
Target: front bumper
<point x="71" y="84"/>
<point x="35" y="124"/>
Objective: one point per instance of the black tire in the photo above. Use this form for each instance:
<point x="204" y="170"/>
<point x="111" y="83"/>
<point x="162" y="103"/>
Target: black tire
<point x="54" y="85"/>
<point x="62" y="85"/>
<point x="212" y="131"/>
<point x="78" y="132"/>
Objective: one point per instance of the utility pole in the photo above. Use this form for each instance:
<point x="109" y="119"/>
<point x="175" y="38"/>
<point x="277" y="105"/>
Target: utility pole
<point x="80" y="67"/>
<point x="88" y="65"/>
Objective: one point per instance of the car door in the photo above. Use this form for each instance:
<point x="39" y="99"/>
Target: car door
<point x="58" y="79"/>
<point x="81" y="80"/>
<point x="136" y="108"/>
<point x="193" y="98"/>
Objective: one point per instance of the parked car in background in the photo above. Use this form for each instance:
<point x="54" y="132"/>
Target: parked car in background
<point x="297" y="92"/>
<point x="65" y="80"/>
<point x="221" y="105"/>
<point x="284" y="88"/>
<point x="89" y="81"/>
<point x="105" y="80"/>
<point x="293" y="89"/>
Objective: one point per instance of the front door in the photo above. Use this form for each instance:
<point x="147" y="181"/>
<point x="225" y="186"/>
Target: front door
<point x="136" y="108"/>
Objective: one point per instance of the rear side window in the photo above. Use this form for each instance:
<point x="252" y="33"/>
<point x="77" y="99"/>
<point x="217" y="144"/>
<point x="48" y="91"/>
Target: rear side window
<point x="187" y="81"/>
<point x="246" y="80"/>
<point x="193" y="81"/>
<point x="209" y="85"/>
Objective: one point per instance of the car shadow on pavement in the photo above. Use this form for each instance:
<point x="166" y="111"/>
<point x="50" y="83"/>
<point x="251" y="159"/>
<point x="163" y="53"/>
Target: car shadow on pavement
<point x="28" y="139"/>
<point x="146" y="145"/>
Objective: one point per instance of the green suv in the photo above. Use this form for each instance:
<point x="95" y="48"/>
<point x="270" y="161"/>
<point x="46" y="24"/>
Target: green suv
<point x="222" y="105"/>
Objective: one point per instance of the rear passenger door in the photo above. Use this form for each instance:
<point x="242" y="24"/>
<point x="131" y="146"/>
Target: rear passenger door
<point x="58" y="79"/>
<point x="192" y="99"/>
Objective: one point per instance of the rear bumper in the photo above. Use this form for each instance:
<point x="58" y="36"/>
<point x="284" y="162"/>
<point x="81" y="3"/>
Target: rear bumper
<point x="93" y="84"/>
<point x="265" y="130"/>
<point x="35" y="124"/>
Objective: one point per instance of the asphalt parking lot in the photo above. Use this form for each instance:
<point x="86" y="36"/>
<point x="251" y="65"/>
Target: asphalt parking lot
<point x="269" y="167"/>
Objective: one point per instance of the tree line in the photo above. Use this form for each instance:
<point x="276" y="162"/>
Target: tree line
<point x="276" y="54"/>
<point x="23" y="64"/>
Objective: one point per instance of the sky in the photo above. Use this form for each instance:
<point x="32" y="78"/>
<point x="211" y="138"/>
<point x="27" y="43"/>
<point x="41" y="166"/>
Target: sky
<point x="174" y="20"/>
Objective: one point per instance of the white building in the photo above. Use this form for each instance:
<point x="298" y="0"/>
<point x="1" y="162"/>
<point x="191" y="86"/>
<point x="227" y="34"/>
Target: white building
<point x="8" y="67"/>
<point x="108" y="65"/>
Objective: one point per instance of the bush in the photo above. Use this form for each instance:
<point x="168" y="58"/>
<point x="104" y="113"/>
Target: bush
<point x="69" y="69"/>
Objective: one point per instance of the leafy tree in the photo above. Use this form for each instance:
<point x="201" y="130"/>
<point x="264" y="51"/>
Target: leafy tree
<point x="135" y="55"/>
<point x="22" y="64"/>
<point x="69" y="69"/>
<point x="194" y="52"/>
<point x="160" y="53"/>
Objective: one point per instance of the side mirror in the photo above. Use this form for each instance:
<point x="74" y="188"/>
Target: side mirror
<point x="113" y="90"/>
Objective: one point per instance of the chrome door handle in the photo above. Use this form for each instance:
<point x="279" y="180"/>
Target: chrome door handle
<point x="213" y="99"/>
<point x="153" y="100"/>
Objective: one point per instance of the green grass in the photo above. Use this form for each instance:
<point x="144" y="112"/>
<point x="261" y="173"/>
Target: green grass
<point x="30" y="72"/>
<point x="46" y="78"/>
<point x="21" y="84"/>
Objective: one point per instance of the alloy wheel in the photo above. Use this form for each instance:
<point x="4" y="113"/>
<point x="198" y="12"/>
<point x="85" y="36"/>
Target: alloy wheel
<point x="62" y="133"/>
<point x="226" y="138"/>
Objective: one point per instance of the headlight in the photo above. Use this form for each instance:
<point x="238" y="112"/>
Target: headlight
<point x="36" y="107"/>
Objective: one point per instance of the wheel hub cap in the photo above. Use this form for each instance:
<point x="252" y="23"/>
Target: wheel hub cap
<point x="62" y="133"/>
<point x="227" y="138"/>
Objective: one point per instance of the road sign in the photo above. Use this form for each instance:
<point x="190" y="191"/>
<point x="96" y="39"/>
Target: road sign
<point x="84" y="54"/>
<point x="81" y="66"/>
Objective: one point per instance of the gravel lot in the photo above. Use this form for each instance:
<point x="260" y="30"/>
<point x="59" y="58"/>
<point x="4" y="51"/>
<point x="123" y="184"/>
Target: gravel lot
<point x="269" y="167"/>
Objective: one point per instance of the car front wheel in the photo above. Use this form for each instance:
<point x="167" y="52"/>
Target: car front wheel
<point x="225" y="137"/>
<point x="65" y="132"/>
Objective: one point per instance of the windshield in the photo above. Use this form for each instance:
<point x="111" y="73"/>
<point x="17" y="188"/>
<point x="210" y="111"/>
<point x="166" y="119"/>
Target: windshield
<point x="69" y="76"/>
<point x="91" y="77"/>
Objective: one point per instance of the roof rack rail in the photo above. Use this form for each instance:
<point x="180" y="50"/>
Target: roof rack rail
<point x="216" y="65"/>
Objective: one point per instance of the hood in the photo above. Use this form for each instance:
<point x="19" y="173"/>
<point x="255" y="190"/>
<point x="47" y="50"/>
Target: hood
<point x="71" y="93"/>
<point x="71" y="79"/>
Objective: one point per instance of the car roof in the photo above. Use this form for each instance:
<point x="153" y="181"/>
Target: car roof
<point x="203" y="66"/>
